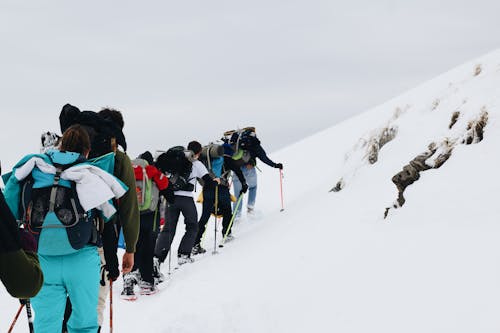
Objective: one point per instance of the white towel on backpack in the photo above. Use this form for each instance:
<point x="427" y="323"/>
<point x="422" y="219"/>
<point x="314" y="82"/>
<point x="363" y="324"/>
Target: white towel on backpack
<point x="94" y="186"/>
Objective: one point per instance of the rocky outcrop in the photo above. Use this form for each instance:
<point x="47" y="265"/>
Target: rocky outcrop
<point x="372" y="148"/>
<point x="475" y="128"/>
<point x="454" y="118"/>
<point x="436" y="155"/>
<point x="376" y="143"/>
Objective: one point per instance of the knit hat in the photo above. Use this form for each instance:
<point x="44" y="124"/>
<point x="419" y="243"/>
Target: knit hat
<point x="147" y="156"/>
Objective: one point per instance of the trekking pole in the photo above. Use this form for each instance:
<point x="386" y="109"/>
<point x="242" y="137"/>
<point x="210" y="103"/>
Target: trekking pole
<point x="15" y="318"/>
<point x="30" y="316"/>
<point x="215" y="223"/>
<point x="169" y="261"/>
<point x="111" y="306"/>
<point x="281" y="190"/>
<point x="238" y="203"/>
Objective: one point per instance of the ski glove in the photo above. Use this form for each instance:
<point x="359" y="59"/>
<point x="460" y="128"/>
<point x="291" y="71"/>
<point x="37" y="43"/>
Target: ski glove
<point x="112" y="275"/>
<point x="278" y="166"/>
<point x="244" y="188"/>
<point x="113" y="272"/>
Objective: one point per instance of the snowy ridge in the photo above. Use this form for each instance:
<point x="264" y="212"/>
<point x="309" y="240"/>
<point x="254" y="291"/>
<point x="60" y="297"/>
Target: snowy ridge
<point x="331" y="262"/>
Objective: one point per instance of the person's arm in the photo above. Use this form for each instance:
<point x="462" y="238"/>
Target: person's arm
<point x="261" y="154"/>
<point x="202" y="172"/>
<point x="158" y="177"/>
<point x="20" y="270"/>
<point x="128" y="208"/>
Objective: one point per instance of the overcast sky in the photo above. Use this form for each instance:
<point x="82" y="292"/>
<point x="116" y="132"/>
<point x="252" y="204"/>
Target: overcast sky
<point x="190" y="69"/>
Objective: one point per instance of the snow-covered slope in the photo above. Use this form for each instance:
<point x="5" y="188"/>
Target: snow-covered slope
<point x="331" y="262"/>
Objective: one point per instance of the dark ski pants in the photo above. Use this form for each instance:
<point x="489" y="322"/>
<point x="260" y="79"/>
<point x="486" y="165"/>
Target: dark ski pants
<point x="186" y="206"/>
<point x="143" y="258"/>
<point x="223" y="208"/>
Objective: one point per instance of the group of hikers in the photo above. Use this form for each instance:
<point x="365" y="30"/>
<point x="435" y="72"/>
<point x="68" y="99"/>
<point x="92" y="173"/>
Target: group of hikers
<point x="63" y="210"/>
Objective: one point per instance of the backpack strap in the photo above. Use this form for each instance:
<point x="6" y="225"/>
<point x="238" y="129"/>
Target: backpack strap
<point x="53" y="191"/>
<point x="208" y="160"/>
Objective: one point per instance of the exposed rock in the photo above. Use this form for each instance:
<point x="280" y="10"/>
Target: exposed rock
<point x="338" y="186"/>
<point x="436" y="155"/>
<point x="411" y="173"/>
<point x="478" y="69"/>
<point x="454" y="118"/>
<point x="372" y="145"/>
<point x="475" y="128"/>
<point x="377" y="142"/>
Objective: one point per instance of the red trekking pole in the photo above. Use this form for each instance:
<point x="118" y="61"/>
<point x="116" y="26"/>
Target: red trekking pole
<point x="111" y="306"/>
<point x="15" y="318"/>
<point x="281" y="189"/>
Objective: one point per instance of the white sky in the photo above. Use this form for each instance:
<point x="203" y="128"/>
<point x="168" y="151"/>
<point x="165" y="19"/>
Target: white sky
<point x="182" y="70"/>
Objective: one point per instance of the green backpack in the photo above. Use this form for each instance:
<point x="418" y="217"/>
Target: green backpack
<point x="147" y="192"/>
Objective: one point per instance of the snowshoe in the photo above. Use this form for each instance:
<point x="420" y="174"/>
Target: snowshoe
<point x="157" y="274"/>
<point x="184" y="259"/>
<point x="147" y="288"/>
<point x="197" y="249"/>
<point x="228" y="239"/>
<point x="129" y="281"/>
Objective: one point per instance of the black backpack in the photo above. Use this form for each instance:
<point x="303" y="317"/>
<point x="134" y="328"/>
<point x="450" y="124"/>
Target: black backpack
<point x="175" y="163"/>
<point x="35" y="203"/>
<point x="104" y="133"/>
<point x="244" y="139"/>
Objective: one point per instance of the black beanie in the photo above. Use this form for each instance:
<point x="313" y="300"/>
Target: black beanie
<point x="147" y="156"/>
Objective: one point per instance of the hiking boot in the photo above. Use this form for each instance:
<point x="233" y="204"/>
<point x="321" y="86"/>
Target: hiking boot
<point x="157" y="274"/>
<point x="147" y="288"/>
<point x="184" y="259"/>
<point x="253" y="213"/>
<point x="129" y="280"/>
<point x="197" y="249"/>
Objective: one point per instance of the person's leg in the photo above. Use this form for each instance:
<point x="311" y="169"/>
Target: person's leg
<point x="251" y="177"/>
<point x="190" y="214"/>
<point x="237" y="189"/>
<point x="252" y="196"/>
<point x="81" y="277"/>
<point x="208" y="205"/>
<point x="225" y="209"/>
<point x="139" y="247"/>
<point x="50" y="302"/>
<point x="103" y="290"/>
<point x="147" y="252"/>
<point x="166" y="236"/>
<point x="67" y="314"/>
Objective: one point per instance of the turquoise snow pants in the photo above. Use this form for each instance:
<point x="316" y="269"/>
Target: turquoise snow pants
<point x="76" y="275"/>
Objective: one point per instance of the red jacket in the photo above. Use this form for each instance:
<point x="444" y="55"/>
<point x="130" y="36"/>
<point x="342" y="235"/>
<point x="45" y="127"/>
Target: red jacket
<point x="154" y="174"/>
